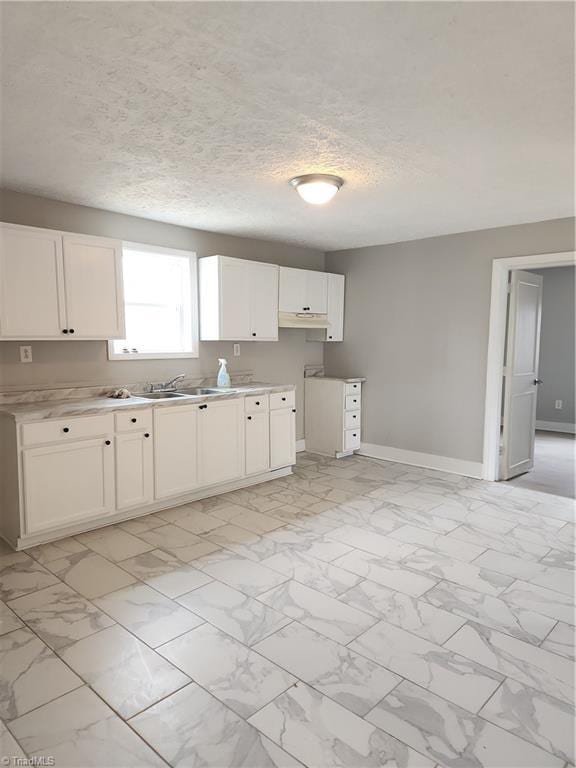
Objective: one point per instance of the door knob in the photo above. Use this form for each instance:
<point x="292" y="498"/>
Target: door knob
<point x="538" y="381"/>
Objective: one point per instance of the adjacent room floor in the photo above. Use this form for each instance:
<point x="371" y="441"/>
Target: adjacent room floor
<point x="359" y="613"/>
<point x="554" y="465"/>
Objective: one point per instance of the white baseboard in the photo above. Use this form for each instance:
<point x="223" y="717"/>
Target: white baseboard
<point x="300" y="445"/>
<point x="426" y="460"/>
<point x="556" y="426"/>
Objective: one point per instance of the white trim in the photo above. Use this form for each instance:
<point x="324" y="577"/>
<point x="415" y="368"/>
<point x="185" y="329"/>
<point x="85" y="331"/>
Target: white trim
<point x="496" y="341"/>
<point x="426" y="460"/>
<point x="300" y="445"/>
<point x="556" y="426"/>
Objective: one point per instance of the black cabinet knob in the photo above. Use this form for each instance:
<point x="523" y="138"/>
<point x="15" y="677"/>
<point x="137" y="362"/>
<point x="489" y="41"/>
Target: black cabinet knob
<point x="354" y="435"/>
<point x="354" y="401"/>
<point x="253" y="334"/>
<point x="249" y="418"/>
<point x="329" y="337"/>
<point x="71" y="330"/>
<point x="64" y="330"/>
<point x="133" y="421"/>
<point x="202" y="407"/>
<point x="146" y="434"/>
<point x="257" y="402"/>
<point x="354" y="416"/>
<point x="66" y="429"/>
<point x="283" y="399"/>
<point x="107" y="442"/>
<point x="293" y="410"/>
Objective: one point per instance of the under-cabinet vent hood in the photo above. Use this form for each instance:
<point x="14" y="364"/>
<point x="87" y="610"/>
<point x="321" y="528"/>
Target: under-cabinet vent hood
<point x="302" y="320"/>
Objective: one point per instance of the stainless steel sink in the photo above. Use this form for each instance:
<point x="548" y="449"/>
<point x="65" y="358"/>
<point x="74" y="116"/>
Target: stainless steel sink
<point x="206" y="391"/>
<point x="161" y="395"/>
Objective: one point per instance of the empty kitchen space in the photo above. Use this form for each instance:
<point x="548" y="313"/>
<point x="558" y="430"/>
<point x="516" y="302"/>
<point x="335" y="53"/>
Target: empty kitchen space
<point x="287" y="353"/>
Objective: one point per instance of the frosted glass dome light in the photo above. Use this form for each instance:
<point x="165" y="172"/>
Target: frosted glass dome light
<point x="317" y="188"/>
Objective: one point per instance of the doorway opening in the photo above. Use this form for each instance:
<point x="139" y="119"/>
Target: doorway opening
<point x="529" y="420"/>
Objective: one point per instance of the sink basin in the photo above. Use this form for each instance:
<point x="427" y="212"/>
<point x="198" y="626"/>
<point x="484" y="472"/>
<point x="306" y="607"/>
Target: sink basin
<point x="161" y="395"/>
<point x="206" y="391"/>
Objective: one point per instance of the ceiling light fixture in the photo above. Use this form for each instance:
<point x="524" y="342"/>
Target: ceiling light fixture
<point x="317" y="188"/>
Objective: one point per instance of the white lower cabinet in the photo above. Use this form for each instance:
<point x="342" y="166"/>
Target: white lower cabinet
<point x="220" y="441"/>
<point x="257" y="431"/>
<point x="67" y="483"/>
<point x="134" y="470"/>
<point x="282" y="437"/>
<point x="175" y="450"/>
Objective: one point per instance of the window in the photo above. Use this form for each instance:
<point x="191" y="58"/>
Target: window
<point x="160" y="289"/>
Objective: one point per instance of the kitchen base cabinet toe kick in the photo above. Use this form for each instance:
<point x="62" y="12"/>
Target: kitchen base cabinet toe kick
<point x="60" y="477"/>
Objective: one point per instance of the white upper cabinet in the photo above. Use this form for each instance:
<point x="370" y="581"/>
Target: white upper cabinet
<point x="303" y="290"/>
<point x="335" y="331"/>
<point x="58" y="286"/>
<point x="238" y="300"/>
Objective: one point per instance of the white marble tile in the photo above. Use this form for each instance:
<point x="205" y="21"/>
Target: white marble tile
<point x="437" y="542"/>
<point x="30" y="674"/>
<point x="409" y="613"/>
<point x="354" y="681"/>
<point x="452" y="736"/>
<point x="547" y="576"/>
<point x="59" y="615"/>
<point x="561" y="539"/>
<point x="385" y="572"/>
<point x="318" y="574"/>
<point x="538" y="668"/>
<point x="257" y="522"/>
<point x="373" y="543"/>
<point x="127" y="674"/>
<point x="558" y="559"/>
<point x="140" y="524"/>
<point x="147" y="614"/>
<point x="241" y="678"/>
<point x="165" y="572"/>
<point x="434" y="667"/>
<point x="534" y="716"/>
<point x="441" y="566"/>
<point x="491" y="611"/>
<point x="190" y="519"/>
<point x="185" y="545"/>
<point x="20" y="574"/>
<point x="44" y="553"/>
<point x="325" y="614"/>
<point x="323" y="734"/>
<point x="562" y="640"/>
<point x="113" y="543"/>
<point x="246" y="575"/>
<point x="8" y="619"/>
<point x="548" y="602"/>
<point x="90" y="574"/>
<point x="80" y="730"/>
<point x="499" y="542"/>
<point x="9" y="747"/>
<point x="192" y="728"/>
<point x="243" y="617"/>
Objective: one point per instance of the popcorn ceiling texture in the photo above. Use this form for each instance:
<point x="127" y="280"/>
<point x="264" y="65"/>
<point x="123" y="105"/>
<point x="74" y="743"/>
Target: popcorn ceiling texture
<point x="441" y="117"/>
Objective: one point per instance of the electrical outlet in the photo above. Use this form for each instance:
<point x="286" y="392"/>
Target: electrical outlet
<point x="558" y="405"/>
<point x="25" y="354"/>
<point x="236" y="350"/>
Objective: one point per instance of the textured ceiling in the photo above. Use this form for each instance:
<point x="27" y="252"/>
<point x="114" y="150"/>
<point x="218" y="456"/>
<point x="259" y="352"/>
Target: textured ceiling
<point x="441" y="117"/>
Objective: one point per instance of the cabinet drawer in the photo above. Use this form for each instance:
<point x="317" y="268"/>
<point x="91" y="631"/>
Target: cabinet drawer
<point x="351" y="439"/>
<point x="353" y="402"/>
<point x="282" y="400"/>
<point x="353" y="389"/>
<point x="256" y="403"/>
<point x="352" y="419"/>
<point x="59" y="430"/>
<point x="134" y="421"/>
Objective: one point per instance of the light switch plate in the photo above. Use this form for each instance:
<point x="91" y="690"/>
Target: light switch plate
<point x="25" y="354"/>
<point x="236" y="350"/>
<point x="558" y="405"/>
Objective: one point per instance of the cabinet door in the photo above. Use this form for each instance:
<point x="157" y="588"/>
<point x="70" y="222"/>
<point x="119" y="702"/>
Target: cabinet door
<point x="235" y="293"/>
<point x="282" y="438"/>
<point x="220" y="442"/>
<point x="93" y="283"/>
<point x="68" y="483"/>
<point x="134" y="470"/>
<point x="292" y="290"/>
<point x="316" y="291"/>
<point x="257" y="442"/>
<point x="31" y="284"/>
<point x="335" y="331"/>
<point x="175" y="450"/>
<point x="264" y="302"/>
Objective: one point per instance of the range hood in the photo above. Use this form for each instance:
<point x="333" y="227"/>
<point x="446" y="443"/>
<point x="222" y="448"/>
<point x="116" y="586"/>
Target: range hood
<point x="302" y="320"/>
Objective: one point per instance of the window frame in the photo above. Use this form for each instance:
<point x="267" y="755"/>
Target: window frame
<point x="194" y="310"/>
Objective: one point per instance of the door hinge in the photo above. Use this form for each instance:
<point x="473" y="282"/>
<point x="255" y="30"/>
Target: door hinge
<point x="509" y="288"/>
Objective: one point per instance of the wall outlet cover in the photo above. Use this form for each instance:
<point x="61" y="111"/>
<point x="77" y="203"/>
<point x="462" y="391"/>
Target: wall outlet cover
<point x="236" y="350"/>
<point x="25" y="354"/>
<point x="558" y="405"/>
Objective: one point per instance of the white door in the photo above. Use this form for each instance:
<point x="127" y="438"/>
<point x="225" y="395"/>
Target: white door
<point x="220" y="441"/>
<point x="93" y="282"/>
<point x="31" y="284"/>
<point x="264" y="302"/>
<point x="292" y="290"/>
<point x="521" y="373"/>
<point x="282" y="438"/>
<point x="68" y="483"/>
<point x="335" y="331"/>
<point x="316" y="292"/>
<point x="175" y="450"/>
<point x="257" y="442"/>
<point x="235" y="293"/>
<point x="134" y="470"/>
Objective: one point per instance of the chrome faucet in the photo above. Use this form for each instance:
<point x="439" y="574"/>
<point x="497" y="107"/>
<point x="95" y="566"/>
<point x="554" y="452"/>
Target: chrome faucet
<point x="166" y="386"/>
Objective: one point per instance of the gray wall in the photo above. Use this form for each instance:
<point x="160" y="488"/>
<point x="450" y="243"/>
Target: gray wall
<point x="416" y="325"/>
<point x="557" y="345"/>
<point x="59" y="363"/>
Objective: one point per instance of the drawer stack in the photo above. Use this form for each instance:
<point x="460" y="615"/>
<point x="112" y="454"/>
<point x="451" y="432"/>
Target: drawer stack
<point x="333" y="415"/>
<point x="352" y="416"/>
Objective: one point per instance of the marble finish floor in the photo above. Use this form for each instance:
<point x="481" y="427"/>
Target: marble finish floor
<point x="357" y="614"/>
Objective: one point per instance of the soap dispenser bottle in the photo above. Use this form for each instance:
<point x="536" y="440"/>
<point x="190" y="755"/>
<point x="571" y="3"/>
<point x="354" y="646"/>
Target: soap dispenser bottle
<point x="223" y="379"/>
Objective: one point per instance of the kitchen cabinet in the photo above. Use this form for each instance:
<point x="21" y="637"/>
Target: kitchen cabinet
<point x="68" y="482"/>
<point x="220" y="441"/>
<point x="335" y="312"/>
<point x="238" y="300"/>
<point x="303" y="291"/>
<point x="134" y="470"/>
<point x="175" y="450"/>
<point x="282" y="437"/>
<point x="333" y="410"/>
<point x="59" y="286"/>
<point x="257" y="442"/>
